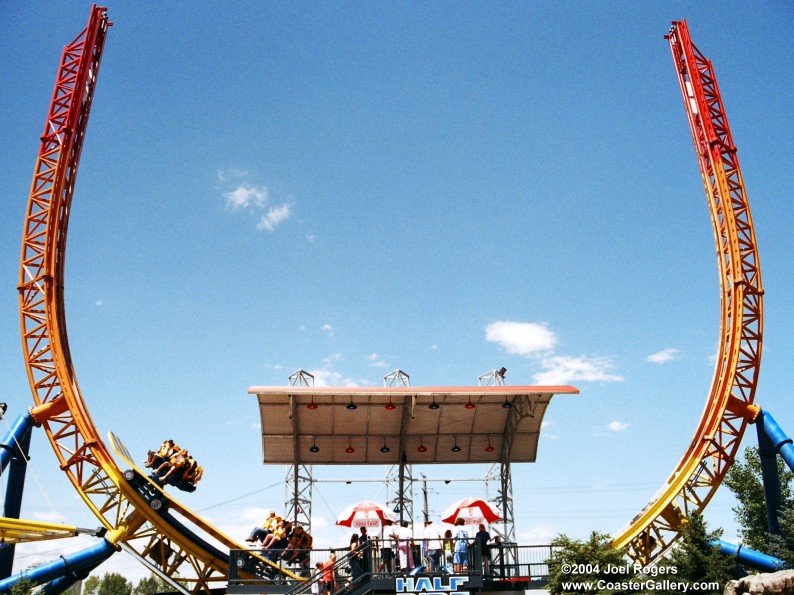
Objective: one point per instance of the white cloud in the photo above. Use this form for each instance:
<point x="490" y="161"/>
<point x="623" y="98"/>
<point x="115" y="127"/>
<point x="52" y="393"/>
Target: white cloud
<point x="664" y="356"/>
<point x="330" y="378"/>
<point x="245" y="196"/>
<point x="376" y="361"/>
<point x="521" y="338"/>
<point x="233" y="172"/>
<point x="617" y="426"/>
<point x="274" y="216"/>
<point x="253" y="199"/>
<point x="536" y="342"/>
<point x="565" y="369"/>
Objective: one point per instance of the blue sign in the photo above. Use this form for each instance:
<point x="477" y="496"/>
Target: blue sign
<point x="431" y="585"/>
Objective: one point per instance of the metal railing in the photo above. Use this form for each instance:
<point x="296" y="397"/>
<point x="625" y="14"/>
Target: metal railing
<point x="378" y="562"/>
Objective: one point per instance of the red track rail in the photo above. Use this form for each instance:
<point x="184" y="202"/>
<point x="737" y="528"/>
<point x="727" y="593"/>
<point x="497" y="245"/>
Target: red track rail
<point x="729" y="407"/>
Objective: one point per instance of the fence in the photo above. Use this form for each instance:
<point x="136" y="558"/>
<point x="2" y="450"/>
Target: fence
<point x="376" y="563"/>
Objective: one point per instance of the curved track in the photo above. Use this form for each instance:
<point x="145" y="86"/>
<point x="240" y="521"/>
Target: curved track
<point x="162" y="540"/>
<point x="729" y="407"/>
<point x="173" y="541"/>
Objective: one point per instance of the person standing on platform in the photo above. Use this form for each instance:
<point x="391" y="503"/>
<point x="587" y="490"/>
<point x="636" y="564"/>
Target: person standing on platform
<point x="318" y="585"/>
<point x="461" y="547"/>
<point x="366" y="547"/>
<point x="482" y="539"/>
<point x="402" y="535"/>
<point x="432" y="546"/>
<point x="329" y="573"/>
<point x="354" y="559"/>
<point x="386" y="551"/>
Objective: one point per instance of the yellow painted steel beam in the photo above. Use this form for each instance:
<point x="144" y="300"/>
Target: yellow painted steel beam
<point x="729" y="407"/>
<point x="23" y="531"/>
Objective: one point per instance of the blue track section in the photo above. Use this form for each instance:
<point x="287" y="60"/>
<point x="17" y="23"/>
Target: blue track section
<point x="64" y="566"/>
<point x="9" y="448"/>
<point x="780" y="442"/>
<point x="750" y="558"/>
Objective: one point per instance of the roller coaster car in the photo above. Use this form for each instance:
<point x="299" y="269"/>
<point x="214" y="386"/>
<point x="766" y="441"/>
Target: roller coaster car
<point x="145" y="485"/>
<point x="185" y="486"/>
<point x="147" y="488"/>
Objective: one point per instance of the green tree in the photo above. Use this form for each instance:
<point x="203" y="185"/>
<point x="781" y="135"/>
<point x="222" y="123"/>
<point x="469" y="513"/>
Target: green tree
<point x="783" y="546"/>
<point x="114" y="584"/>
<point x="745" y="481"/>
<point x="590" y="561"/>
<point x="23" y="587"/>
<point x="151" y="585"/>
<point x="694" y="560"/>
<point x="91" y="585"/>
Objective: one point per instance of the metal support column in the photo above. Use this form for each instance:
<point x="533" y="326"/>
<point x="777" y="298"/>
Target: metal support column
<point x="400" y="482"/>
<point x="501" y="475"/>
<point x="769" y="476"/>
<point x="298" y="481"/>
<point x="298" y="500"/>
<point x="402" y="474"/>
<point x="14" y="457"/>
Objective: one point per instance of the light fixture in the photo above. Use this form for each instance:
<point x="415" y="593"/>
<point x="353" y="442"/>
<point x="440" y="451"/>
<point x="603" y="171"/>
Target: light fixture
<point x="434" y="405"/>
<point x="421" y="447"/>
<point x="314" y="448"/>
<point x="350" y="450"/>
<point x="351" y="405"/>
<point x="507" y="404"/>
<point x="469" y="405"/>
<point x="455" y="448"/>
<point x="390" y="406"/>
<point x="490" y="447"/>
<point x="312" y="406"/>
<point x="384" y="449"/>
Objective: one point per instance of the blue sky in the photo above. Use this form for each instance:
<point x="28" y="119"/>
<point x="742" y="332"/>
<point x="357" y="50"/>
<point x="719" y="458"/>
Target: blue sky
<point x="351" y="188"/>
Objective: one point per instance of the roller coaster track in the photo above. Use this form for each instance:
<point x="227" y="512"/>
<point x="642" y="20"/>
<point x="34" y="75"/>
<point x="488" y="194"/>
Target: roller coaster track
<point x="160" y="539"/>
<point x="729" y="407"/>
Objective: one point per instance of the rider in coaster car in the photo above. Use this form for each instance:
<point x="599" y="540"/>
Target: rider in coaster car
<point x="297" y="550"/>
<point x="259" y="533"/>
<point x="180" y="470"/>
<point x="275" y="543"/>
<point x="156" y="458"/>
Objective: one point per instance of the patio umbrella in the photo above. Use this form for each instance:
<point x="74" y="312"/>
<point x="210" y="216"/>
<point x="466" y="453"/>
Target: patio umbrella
<point x="473" y="511"/>
<point x="365" y="514"/>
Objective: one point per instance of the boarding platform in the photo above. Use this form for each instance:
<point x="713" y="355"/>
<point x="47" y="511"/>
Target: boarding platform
<point x="512" y="568"/>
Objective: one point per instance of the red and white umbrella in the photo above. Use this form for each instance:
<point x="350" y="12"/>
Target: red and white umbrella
<point x="365" y="514"/>
<point x="473" y="511"/>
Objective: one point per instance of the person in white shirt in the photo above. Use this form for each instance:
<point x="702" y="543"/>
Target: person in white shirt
<point x="432" y="546"/>
<point x="403" y="534"/>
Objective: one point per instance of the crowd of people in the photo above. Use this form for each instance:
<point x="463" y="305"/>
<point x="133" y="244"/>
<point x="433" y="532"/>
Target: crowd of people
<point x="173" y="465"/>
<point x="437" y="550"/>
